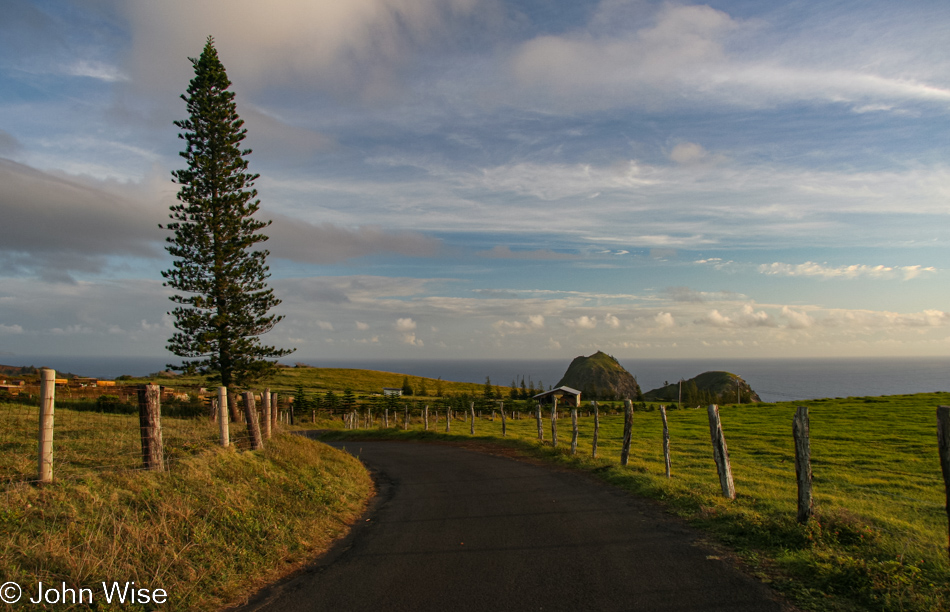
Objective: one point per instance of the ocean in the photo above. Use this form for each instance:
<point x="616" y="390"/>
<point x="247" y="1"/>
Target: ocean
<point x="773" y="379"/>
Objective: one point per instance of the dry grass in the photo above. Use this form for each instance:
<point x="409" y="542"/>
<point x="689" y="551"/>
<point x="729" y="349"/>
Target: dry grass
<point x="208" y="531"/>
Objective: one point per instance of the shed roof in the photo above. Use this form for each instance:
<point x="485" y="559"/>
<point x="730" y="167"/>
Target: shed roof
<point x="559" y="392"/>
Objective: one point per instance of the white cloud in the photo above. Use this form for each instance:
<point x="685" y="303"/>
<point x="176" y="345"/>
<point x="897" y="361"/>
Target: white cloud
<point x="687" y="153"/>
<point x="664" y="320"/>
<point x="353" y="46"/>
<point x="746" y="317"/>
<point x="362" y="326"/>
<point x="411" y="340"/>
<point x="406" y="324"/>
<point x="797" y="319"/>
<point x="582" y="322"/>
<point x="95" y="70"/>
<point x="697" y="55"/>
<point x="325" y="325"/>
<point x="611" y="321"/>
<point x="10" y="329"/>
<point x="536" y="321"/>
<point x="810" y="268"/>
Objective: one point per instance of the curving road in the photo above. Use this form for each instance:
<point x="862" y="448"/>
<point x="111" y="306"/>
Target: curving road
<point x="457" y="530"/>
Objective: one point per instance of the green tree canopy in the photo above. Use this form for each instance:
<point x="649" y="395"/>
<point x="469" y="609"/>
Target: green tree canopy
<point x="223" y="308"/>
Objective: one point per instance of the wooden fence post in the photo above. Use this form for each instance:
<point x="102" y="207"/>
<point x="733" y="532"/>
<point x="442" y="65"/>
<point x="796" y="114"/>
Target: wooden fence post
<point x="574" y="431"/>
<point x="232" y="407"/>
<point x="596" y="430"/>
<point x="150" y="424"/>
<point x="554" y="423"/>
<point x="273" y="410"/>
<point x="265" y="406"/>
<point x="666" y="443"/>
<point x="943" y="445"/>
<point x="504" y="422"/>
<point x="627" y="431"/>
<point x="448" y="420"/>
<point x="540" y="426"/>
<point x="405" y="425"/>
<point x="223" y="416"/>
<point x="800" y="430"/>
<point x="253" y="425"/>
<point x="471" y="430"/>
<point x="47" y="411"/>
<point x="721" y="453"/>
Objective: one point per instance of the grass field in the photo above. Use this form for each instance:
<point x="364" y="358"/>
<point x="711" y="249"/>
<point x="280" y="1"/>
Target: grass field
<point x="879" y="538"/>
<point x="320" y="380"/>
<point x="215" y="526"/>
<point x="85" y="440"/>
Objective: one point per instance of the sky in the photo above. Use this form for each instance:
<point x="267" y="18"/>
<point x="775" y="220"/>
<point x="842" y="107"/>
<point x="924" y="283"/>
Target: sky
<point x="472" y="179"/>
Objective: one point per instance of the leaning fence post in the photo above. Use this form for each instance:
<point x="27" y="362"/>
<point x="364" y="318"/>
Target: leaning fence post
<point x="253" y="426"/>
<point x="800" y="430"/>
<point x="943" y="444"/>
<point x="721" y="453"/>
<point x="666" y="443"/>
<point x="574" y="431"/>
<point x="471" y="430"/>
<point x="425" y="417"/>
<point x="265" y="406"/>
<point x="504" y="422"/>
<point x="554" y="423"/>
<point x="223" y="416"/>
<point x="150" y="423"/>
<point x="596" y="430"/>
<point x="627" y="431"/>
<point x="273" y="410"/>
<point x="47" y="410"/>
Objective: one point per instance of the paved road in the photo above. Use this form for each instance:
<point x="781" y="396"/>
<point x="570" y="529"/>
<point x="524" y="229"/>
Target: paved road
<point x="457" y="530"/>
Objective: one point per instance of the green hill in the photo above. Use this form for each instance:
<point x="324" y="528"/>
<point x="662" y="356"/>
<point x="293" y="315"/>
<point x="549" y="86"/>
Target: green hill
<point x="707" y="388"/>
<point x="600" y="376"/>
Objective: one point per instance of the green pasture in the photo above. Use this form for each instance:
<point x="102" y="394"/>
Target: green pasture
<point x="879" y="537"/>
<point x="320" y="380"/>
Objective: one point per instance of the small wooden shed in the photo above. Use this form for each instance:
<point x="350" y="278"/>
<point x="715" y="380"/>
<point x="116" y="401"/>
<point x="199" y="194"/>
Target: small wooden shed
<point x="566" y="396"/>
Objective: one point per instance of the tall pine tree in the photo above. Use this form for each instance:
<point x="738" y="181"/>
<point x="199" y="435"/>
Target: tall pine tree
<point x="226" y="299"/>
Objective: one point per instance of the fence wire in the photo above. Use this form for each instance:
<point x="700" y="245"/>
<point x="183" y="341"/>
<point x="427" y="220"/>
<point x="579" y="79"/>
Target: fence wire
<point x="91" y="437"/>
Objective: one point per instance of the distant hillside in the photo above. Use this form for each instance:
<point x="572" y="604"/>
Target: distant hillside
<point x="600" y="376"/>
<point x="707" y="388"/>
<point x="28" y="371"/>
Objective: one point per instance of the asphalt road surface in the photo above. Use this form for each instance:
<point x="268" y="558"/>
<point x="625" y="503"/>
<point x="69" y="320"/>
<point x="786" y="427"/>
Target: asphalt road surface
<point x="457" y="530"/>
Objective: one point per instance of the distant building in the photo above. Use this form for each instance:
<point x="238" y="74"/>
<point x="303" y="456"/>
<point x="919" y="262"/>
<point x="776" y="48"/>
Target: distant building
<point x="566" y="396"/>
<point x="397" y="391"/>
<point x="13" y="387"/>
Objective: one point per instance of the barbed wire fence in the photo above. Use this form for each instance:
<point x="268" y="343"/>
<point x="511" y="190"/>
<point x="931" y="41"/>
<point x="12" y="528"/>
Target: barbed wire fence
<point x="43" y="436"/>
<point x="835" y="477"/>
<point x="49" y="431"/>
